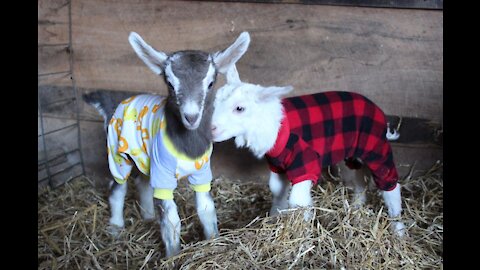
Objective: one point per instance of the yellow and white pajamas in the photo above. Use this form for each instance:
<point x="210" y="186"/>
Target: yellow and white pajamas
<point x="137" y="131"/>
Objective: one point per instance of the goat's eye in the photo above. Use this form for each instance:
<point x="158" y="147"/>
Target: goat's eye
<point x="210" y="85"/>
<point x="239" y="109"/>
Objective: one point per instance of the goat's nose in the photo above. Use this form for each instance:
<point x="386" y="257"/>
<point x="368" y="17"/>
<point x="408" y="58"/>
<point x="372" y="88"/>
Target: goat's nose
<point x="191" y="118"/>
<point x="214" y="127"/>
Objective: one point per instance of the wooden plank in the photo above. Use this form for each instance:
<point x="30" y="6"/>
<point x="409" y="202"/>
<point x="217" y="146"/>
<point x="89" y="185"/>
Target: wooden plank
<point x="393" y="56"/>
<point x="415" y="4"/>
<point x="52" y="60"/>
<point x="52" y="21"/>
<point x="232" y="163"/>
<point x="418" y="131"/>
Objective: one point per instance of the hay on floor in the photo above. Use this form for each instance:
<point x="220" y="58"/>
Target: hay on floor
<point x="72" y="230"/>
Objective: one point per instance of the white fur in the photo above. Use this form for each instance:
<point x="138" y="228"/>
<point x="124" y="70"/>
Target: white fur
<point x="208" y="79"/>
<point x="170" y="227"/>
<point x="191" y="107"/>
<point x="232" y="75"/>
<point x="392" y="136"/>
<point x="355" y="179"/>
<point x="151" y="57"/>
<point x="224" y="59"/>
<point x="102" y="113"/>
<point x="116" y="200"/>
<point x="159" y="62"/>
<point x="253" y="128"/>
<point x="206" y="212"/>
<point x="279" y="186"/>
<point x="300" y="196"/>
<point x="145" y="192"/>
<point x="393" y="201"/>
<point x="256" y="127"/>
<point x="171" y="77"/>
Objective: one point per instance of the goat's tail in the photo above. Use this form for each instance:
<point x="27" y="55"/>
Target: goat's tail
<point x="392" y="133"/>
<point x="104" y="102"/>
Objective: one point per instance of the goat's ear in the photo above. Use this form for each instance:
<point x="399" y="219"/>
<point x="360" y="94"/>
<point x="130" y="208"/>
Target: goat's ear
<point x="152" y="58"/>
<point x="271" y="92"/>
<point x="232" y="75"/>
<point x="228" y="57"/>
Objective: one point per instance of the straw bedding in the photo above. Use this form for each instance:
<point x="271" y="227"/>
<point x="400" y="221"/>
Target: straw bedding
<point x="73" y="221"/>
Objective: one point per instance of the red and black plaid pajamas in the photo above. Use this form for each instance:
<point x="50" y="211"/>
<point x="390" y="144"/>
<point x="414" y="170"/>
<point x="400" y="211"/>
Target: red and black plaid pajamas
<point x="325" y="128"/>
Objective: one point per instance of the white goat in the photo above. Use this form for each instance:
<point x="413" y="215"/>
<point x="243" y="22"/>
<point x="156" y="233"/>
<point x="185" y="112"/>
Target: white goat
<point x="300" y="135"/>
<point x="166" y="138"/>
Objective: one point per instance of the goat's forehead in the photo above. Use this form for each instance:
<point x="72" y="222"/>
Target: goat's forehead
<point x="234" y="93"/>
<point x="190" y="64"/>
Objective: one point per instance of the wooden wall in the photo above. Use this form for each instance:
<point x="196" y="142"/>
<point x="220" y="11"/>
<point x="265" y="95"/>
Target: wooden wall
<point x="393" y="56"/>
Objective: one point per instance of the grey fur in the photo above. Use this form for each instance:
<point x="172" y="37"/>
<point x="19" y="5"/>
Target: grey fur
<point x="106" y="101"/>
<point x="194" y="143"/>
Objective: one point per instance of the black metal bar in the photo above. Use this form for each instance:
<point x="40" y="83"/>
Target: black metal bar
<point x="47" y="160"/>
<point x="75" y="92"/>
<point x="58" y="172"/>
<point x="53" y="73"/>
<point x="43" y="137"/>
<point x="40" y="163"/>
<point x="53" y="45"/>
<point x="46" y="178"/>
<point x="68" y="180"/>
<point x="56" y="130"/>
<point x="59" y="101"/>
<point x="66" y="168"/>
<point x="404" y="4"/>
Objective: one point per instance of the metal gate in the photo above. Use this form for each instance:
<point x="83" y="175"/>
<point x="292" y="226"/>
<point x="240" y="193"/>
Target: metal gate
<point x="59" y="147"/>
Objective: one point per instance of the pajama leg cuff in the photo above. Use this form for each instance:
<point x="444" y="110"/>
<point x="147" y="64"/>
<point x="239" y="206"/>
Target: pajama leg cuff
<point x="163" y="194"/>
<point x="201" y="188"/>
<point x="120" y="181"/>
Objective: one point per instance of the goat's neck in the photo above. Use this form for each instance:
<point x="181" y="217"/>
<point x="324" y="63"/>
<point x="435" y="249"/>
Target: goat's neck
<point x="263" y="135"/>
<point x="194" y="143"/>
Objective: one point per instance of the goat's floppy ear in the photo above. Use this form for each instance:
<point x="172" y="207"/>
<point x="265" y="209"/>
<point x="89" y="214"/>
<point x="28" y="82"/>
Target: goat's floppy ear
<point x="152" y="58"/>
<point x="232" y="75"/>
<point x="271" y="92"/>
<point x="228" y="57"/>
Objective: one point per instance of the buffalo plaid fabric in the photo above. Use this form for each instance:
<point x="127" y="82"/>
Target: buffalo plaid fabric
<point x="325" y="128"/>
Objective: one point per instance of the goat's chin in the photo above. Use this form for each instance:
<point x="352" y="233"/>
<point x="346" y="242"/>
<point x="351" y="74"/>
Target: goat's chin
<point x="190" y="126"/>
<point x="220" y="138"/>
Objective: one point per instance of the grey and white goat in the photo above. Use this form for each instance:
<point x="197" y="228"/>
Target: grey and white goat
<point x="165" y="137"/>
<point x="300" y="135"/>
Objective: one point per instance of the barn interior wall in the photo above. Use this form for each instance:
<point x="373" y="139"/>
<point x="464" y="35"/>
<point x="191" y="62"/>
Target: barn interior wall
<point x="393" y="56"/>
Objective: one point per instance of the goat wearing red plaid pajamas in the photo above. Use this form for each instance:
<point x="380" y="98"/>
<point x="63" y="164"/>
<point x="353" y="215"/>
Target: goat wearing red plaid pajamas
<point x="323" y="129"/>
<point x="301" y="135"/>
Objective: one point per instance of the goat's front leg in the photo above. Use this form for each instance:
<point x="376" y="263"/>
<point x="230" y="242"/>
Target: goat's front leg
<point x="169" y="225"/>
<point x="301" y="197"/>
<point x="393" y="201"/>
<point x="145" y="192"/>
<point x="207" y="214"/>
<point x="279" y="188"/>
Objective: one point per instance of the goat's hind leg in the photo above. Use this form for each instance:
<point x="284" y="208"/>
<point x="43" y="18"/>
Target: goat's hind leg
<point x="117" y="201"/>
<point x="354" y="177"/>
<point x="169" y="225"/>
<point x="207" y="214"/>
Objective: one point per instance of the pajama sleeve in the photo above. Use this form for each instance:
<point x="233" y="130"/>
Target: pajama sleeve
<point x="200" y="180"/>
<point x="162" y="172"/>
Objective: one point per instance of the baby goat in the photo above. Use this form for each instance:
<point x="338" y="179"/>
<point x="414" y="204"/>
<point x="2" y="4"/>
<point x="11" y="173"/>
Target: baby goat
<point x="166" y="138"/>
<point x="301" y="135"/>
